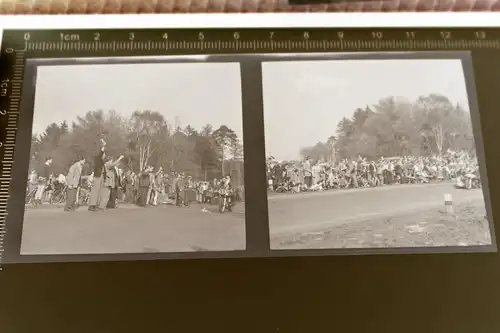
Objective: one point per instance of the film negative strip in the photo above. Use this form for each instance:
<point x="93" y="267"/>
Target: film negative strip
<point x="142" y="157"/>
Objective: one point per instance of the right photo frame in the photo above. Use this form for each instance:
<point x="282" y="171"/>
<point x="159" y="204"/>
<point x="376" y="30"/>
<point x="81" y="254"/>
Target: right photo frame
<point x="375" y="150"/>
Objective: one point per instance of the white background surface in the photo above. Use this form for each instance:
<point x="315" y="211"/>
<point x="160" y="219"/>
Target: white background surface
<point x="333" y="20"/>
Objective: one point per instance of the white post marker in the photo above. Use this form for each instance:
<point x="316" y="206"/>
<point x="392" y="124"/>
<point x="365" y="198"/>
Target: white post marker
<point x="448" y="204"/>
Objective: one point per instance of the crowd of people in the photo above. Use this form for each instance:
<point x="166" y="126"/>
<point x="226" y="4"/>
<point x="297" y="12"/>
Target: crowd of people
<point x="309" y="175"/>
<point x="109" y="183"/>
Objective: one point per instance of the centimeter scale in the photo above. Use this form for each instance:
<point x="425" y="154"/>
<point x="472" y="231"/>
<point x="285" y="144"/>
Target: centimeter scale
<point x="209" y="41"/>
<point x="18" y="46"/>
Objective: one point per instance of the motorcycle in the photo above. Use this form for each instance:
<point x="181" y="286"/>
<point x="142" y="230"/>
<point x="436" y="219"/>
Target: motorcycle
<point x="225" y="201"/>
<point x="471" y="181"/>
<point x="467" y="182"/>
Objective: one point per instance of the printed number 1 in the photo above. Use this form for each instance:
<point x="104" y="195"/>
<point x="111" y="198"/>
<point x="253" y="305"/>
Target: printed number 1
<point x="445" y="34"/>
<point x="480" y="34"/>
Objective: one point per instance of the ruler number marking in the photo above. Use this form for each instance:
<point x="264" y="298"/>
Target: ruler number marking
<point x="377" y="34"/>
<point x="480" y="34"/>
<point x="410" y="34"/>
<point x="97" y="36"/>
<point x="445" y="34"/>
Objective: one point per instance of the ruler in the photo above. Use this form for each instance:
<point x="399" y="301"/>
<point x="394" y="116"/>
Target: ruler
<point x="19" y="46"/>
<point x="209" y="41"/>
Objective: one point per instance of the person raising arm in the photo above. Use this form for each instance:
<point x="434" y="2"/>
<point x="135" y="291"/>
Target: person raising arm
<point x="109" y="181"/>
<point x="97" y="178"/>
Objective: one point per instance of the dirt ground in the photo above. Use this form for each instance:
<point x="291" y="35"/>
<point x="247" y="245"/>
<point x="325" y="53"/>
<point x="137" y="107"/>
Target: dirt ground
<point x="467" y="227"/>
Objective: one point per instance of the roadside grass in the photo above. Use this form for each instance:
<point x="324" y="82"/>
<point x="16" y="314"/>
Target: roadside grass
<point x="429" y="228"/>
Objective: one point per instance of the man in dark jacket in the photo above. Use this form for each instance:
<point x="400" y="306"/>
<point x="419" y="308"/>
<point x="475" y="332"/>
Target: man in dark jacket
<point x="114" y="189"/>
<point x="144" y="186"/>
<point x="99" y="176"/>
<point x="180" y="191"/>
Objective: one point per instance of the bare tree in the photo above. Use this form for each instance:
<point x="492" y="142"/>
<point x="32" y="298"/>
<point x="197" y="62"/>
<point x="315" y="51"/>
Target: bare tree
<point x="145" y="126"/>
<point x="438" y="133"/>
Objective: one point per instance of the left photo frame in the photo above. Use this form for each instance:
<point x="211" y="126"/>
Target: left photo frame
<point x="129" y="156"/>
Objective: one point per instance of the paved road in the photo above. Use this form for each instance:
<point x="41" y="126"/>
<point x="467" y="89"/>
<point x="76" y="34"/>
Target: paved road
<point x="295" y="213"/>
<point x="131" y="229"/>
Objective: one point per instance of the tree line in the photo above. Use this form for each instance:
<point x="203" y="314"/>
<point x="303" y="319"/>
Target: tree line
<point x="397" y="127"/>
<point x="145" y="138"/>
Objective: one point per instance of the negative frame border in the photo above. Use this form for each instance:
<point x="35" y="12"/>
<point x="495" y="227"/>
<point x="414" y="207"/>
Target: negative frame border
<point x="256" y="208"/>
<point x="256" y="242"/>
<point x="466" y="60"/>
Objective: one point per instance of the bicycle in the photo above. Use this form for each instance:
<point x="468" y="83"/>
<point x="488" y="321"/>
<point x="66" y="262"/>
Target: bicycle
<point x="58" y="196"/>
<point x="30" y="196"/>
<point x="83" y="196"/>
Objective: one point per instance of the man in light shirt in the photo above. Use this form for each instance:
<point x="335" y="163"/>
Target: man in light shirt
<point x="43" y="180"/>
<point x="72" y="183"/>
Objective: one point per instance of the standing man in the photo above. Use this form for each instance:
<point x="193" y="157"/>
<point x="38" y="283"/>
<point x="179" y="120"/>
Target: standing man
<point x="129" y="187"/>
<point x="108" y="182"/>
<point x="43" y="180"/>
<point x="277" y="179"/>
<point x="173" y="187"/>
<point x="144" y="183"/>
<point x="98" y="176"/>
<point x="113" y="195"/>
<point x="308" y="172"/>
<point x="180" y="197"/>
<point x="158" y="186"/>
<point x="72" y="183"/>
<point x="149" y="198"/>
<point x="353" y="174"/>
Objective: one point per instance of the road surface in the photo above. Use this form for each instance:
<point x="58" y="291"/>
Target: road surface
<point x="131" y="229"/>
<point x="296" y="213"/>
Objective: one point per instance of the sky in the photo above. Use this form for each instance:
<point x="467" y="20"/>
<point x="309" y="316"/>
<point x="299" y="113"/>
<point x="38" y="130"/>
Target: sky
<point x="196" y="93"/>
<point x="304" y="100"/>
